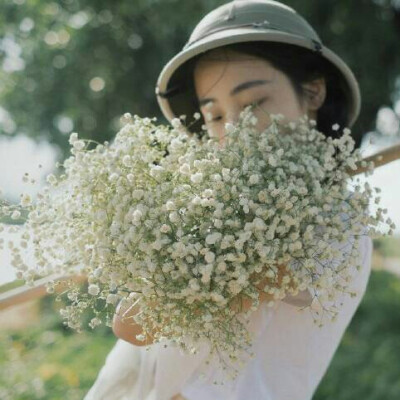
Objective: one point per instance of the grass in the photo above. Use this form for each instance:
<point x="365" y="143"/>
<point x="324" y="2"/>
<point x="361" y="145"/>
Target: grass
<point x="388" y="246"/>
<point x="366" y="365"/>
<point x="49" y="361"/>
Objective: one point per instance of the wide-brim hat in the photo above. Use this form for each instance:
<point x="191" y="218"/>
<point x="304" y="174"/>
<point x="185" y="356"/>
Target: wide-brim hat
<point x="244" y="21"/>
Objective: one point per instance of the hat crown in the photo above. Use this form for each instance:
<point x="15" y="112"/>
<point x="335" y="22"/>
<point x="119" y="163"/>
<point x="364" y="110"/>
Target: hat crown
<point x="257" y="14"/>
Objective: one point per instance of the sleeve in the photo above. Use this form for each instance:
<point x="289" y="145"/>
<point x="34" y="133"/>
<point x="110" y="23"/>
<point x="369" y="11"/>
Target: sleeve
<point x="126" y="374"/>
<point x="299" y="352"/>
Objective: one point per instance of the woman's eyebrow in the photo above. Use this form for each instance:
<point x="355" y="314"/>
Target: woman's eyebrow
<point x="237" y="89"/>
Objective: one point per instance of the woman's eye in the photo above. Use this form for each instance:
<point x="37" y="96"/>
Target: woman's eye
<point x="210" y="121"/>
<point x="257" y="103"/>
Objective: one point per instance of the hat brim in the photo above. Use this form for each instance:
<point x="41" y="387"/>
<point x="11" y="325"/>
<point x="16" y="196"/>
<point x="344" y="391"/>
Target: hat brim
<point x="243" y="34"/>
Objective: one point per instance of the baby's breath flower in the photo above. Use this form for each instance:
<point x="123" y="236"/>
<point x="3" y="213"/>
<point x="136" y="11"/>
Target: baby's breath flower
<point x="94" y="322"/>
<point x="78" y="144"/>
<point x="209" y="257"/>
<point x="73" y="137"/>
<point x="218" y="223"/>
<point x="112" y="299"/>
<point x="137" y="215"/>
<point x="176" y="123"/>
<point x="185" y="169"/>
<point x="93" y="289"/>
<point x="165" y="228"/>
<point x="51" y="179"/>
<point x="229" y="128"/>
<point x="254" y="179"/>
<point x="174" y="217"/>
<point x="16" y="214"/>
<point x="127" y="161"/>
<point x="26" y="200"/>
<point x="170" y="205"/>
<point x="183" y="232"/>
<point x="140" y="337"/>
<point x="113" y="177"/>
<point x="208" y="193"/>
<point x="272" y="161"/>
<point x="197" y="177"/>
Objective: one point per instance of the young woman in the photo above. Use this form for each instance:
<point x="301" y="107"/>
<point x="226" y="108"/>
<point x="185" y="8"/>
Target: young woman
<point x="244" y="52"/>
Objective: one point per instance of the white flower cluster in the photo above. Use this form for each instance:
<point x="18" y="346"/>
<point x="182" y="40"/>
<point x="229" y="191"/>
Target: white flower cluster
<point x="186" y="224"/>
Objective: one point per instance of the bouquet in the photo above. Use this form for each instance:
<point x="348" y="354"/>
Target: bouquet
<point x="184" y="228"/>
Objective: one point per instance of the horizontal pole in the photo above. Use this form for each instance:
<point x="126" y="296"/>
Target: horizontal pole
<point x="381" y="158"/>
<point x="26" y="293"/>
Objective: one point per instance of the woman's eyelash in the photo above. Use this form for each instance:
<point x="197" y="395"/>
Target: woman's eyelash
<point x="257" y="103"/>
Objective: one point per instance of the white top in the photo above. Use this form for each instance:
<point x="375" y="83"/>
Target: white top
<point x="292" y="356"/>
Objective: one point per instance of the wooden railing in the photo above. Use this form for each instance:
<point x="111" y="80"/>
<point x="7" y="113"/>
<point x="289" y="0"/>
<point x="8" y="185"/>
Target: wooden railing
<point x="381" y="158"/>
<point x="27" y="293"/>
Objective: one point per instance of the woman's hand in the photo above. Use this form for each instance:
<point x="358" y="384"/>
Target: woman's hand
<point x="126" y="328"/>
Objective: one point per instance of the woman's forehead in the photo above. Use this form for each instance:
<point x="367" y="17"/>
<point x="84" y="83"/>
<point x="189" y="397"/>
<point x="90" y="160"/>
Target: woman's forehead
<point x="204" y="72"/>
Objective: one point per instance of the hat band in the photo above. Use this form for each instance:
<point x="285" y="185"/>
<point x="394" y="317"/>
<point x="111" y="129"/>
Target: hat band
<point x="258" y="25"/>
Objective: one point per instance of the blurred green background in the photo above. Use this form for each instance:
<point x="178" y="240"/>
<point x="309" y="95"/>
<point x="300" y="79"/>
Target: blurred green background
<point x="78" y="65"/>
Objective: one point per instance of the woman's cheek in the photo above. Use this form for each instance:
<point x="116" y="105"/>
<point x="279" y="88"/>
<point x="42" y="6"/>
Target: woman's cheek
<point x="263" y="120"/>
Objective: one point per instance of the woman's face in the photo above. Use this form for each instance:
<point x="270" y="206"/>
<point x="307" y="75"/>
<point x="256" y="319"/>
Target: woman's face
<point x="225" y="87"/>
